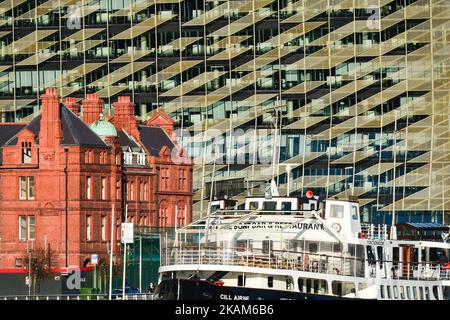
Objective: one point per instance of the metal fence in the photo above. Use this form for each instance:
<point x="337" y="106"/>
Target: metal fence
<point x="79" y="297"/>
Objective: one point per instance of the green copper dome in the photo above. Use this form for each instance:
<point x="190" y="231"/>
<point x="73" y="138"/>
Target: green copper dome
<point x="103" y="128"/>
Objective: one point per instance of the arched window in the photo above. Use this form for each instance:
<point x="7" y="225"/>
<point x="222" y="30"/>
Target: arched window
<point x="181" y="214"/>
<point x="163" y="214"/>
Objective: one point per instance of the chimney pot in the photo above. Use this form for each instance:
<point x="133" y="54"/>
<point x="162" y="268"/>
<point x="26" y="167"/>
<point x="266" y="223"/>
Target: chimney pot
<point x="71" y="103"/>
<point x="92" y="107"/>
<point x="51" y="91"/>
<point x="50" y="132"/>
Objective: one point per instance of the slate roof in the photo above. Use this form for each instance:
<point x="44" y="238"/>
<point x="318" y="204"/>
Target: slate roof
<point x="75" y="131"/>
<point x="7" y="131"/>
<point x="154" y="139"/>
<point x="126" y="141"/>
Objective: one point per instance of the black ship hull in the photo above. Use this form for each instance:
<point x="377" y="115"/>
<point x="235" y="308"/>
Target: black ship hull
<point x="187" y="289"/>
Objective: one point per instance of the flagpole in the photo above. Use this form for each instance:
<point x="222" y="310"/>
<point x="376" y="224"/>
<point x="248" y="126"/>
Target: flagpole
<point x="124" y="256"/>
<point x="111" y="252"/>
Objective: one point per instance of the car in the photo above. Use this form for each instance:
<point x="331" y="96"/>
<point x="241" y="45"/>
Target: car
<point x="117" y="293"/>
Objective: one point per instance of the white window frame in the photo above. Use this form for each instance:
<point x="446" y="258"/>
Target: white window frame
<point x="103" y="186"/>
<point x="30" y="194"/>
<point x="88" y="228"/>
<point x="23" y="191"/>
<point x="333" y="213"/>
<point x="23" y="233"/>
<point x="103" y="227"/>
<point x="31" y="226"/>
<point x="88" y="187"/>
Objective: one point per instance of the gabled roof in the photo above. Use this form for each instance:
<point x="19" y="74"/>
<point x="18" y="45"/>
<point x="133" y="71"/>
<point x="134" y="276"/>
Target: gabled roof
<point x="154" y="139"/>
<point x="7" y="131"/>
<point x="126" y="141"/>
<point x="75" y="131"/>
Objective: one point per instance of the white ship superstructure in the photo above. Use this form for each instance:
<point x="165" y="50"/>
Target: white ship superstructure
<point x="294" y="248"/>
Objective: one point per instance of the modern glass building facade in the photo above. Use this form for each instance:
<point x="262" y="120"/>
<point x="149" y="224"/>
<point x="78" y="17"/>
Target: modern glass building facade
<point x="362" y="85"/>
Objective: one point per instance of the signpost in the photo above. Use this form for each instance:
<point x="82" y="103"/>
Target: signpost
<point x="127" y="233"/>
<point x="94" y="261"/>
<point x="126" y="238"/>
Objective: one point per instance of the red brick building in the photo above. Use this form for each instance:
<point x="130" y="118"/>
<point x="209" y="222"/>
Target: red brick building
<point x="61" y="174"/>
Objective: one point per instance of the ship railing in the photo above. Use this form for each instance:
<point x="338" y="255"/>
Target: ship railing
<point x="300" y="261"/>
<point x="375" y="231"/>
<point x="400" y="270"/>
<point x="235" y="212"/>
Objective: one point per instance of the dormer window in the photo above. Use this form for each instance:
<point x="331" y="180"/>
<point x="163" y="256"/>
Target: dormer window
<point x="128" y="157"/>
<point x="141" y="159"/>
<point x="26" y="152"/>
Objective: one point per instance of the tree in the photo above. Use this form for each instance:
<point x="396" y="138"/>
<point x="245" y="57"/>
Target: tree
<point x="39" y="260"/>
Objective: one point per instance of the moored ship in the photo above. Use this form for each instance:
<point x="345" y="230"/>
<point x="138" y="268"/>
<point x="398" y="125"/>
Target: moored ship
<point x="299" y="248"/>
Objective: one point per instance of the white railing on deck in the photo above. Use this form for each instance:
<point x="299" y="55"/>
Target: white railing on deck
<point x="375" y="231"/>
<point x="309" y="262"/>
<point x="305" y="261"/>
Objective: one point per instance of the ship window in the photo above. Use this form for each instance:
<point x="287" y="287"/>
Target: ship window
<point x="323" y="286"/>
<point x="270" y="205"/>
<point x="427" y="293"/>
<point x="395" y="292"/>
<point x="408" y="293"/>
<point x="288" y="283"/>
<point x="342" y="288"/>
<point x="370" y="255"/>
<point x="241" y="245"/>
<point x="402" y="292"/>
<point x="286" y="206"/>
<point x="380" y="256"/>
<point x="420" y="293"/>
<point x="313" y="247"/>
<point x="354" y="210"/>
<point x="241" y="281"/>
<point x="215" y="207"/>
<point x="415" y="293"/>
<point x="270" y="282"/>
<point x="436" y="292"/>
<point x="382" y="292"/>
<point x="389" y="293"/>
<point x="266" y="246"/>
<point x="336" y="211"/>
<point x="300" y="284"/>
<point x="316" y="286"/>
<point x="253" y="205"/>
<point x="308" y="285"/>
<point x="446" y="292"/>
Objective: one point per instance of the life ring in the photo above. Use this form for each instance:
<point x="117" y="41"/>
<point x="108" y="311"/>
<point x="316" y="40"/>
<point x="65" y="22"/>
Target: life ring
<point x="363" y="235"/>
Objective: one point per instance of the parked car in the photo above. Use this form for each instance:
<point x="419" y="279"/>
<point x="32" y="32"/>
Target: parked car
<point x="117" y="293"/>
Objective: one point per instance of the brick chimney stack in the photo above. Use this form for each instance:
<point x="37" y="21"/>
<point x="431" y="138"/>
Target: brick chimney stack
<point x="163" y="120"/>
<point x="71" y="103"/>
<point x="124" y="118"/>
<point x="92" y="107"/>
<point x="50" y="132"/>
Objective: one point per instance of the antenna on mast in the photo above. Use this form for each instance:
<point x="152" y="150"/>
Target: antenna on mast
<point x="275" y="119"/>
